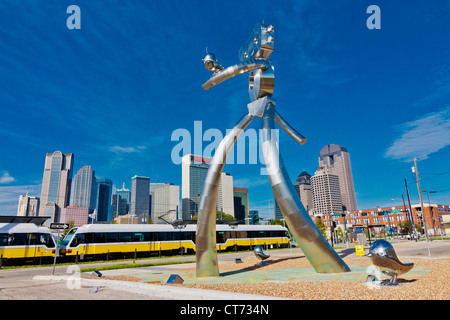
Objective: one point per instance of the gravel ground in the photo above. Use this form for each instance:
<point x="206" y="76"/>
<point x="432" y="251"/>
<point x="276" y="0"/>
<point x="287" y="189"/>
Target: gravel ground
<point x="432" y="286"/>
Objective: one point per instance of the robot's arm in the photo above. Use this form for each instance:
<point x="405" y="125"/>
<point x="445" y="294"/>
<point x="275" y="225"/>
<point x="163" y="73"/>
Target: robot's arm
<point x="289" y="129"/>
<point x="234" y="70"/>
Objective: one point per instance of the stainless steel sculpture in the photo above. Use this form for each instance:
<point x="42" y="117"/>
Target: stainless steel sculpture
<point x="254" y="57"/>
<point x="259" y="253"/>
<point x="383" y="255"/>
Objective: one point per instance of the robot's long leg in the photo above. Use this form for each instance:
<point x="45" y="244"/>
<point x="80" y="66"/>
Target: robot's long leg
<point x="289" y="129"/>
<point x="316" y="249"/>
<point x="206" y="253"/>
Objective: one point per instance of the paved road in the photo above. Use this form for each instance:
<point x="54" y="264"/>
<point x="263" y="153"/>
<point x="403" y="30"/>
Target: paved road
<point x="38" y="283"/>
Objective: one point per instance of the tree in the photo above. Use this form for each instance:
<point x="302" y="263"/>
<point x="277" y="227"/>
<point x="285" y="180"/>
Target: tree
<point x="405" y="226"/>
<point x="226" y="217"/>
<point x="321" y="226"/>
<point x="71" y="224"/>
<point x="340" y="233"/>
<point x="277" y="222"/>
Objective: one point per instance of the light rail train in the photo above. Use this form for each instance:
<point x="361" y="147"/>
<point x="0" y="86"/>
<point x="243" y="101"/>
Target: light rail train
<point x="25" y="242"/>
<point x="127" y="240"/>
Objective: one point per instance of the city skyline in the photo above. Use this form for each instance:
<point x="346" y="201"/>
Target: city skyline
<point x="383" y="94"/>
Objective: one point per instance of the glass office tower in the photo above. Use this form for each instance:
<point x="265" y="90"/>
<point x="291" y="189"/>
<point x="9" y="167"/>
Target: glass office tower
<point x="56" y="184"/>
<point x="84" y="189"/>
<point x="140" y="198"/>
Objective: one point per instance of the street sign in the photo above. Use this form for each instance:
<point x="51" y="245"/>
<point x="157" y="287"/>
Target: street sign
<point x="396" y="211"/>
<point x="59" y="226"/>
<point x="336" y="214"/>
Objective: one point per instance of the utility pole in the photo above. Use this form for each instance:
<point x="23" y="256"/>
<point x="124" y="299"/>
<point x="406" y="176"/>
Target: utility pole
<point x="410" y="212"/>
<point x="421" y="204"/>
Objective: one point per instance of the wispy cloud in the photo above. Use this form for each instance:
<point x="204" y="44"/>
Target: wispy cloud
<point x="6" y="178"/>
<point x="119" y="149"/>
<point x="422" y="137"/>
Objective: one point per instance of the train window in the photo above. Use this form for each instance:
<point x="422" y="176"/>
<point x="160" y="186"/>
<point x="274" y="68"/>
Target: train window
<point x="176" y="235"/>
<point x="253" y="234"/>
<point x="189" y="235"/>
<point x="162" y="236"/>
<point x="192" y="236"/>
<point x="137" y="237"/>
<point x="3" y="239"/>
<point x="89" y="237"/>
<point x="68" y="237"/>
<point x="99" y="237"/>
<point x="153" y="236"/>
<point x="45" y="239"/>
<point x="220" y="237"/>
<point x="125" y="237"/>
<point x="19" y="239"/>
<point x="31" y="239"/>
<point x="165" y="236"/>
<point x="112" y="237"/>
<point x="78" y="239"/>
<point x="241" y="234"/>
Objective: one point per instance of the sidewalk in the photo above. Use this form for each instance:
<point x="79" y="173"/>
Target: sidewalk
<point x="150" y="291"/>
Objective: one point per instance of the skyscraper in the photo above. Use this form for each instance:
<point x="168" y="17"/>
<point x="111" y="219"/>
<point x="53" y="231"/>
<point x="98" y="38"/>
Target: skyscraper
<point x="140" y="198"/>
<point x="193" y="174"/>
<point x="304" y="190"/>
<point x="84" y="189"/>
<point x="153" y="203"/>
<point x="124" y="193"/>
<point x="326" y="194"/>
<point x="103" y="205"/>
<point x="28" y="206"/>
<point x="165" y="203"/>
<point x="56" y="182"/>
<point x="194" y="169"/>
<point x="241" y="205"/>
<point x="123" y="200"/>
<point x="225" y="196"/>
<point x="254" y="217"/>
<point x="337" y="159"/>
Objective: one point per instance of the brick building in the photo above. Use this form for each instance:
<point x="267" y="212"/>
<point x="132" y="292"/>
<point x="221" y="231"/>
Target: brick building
<point x="390" y="218"/>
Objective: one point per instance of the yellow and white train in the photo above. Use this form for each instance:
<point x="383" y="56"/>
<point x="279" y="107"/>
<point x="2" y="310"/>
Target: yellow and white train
<point x="25" y="242"/>
<point x="99" y="240"/>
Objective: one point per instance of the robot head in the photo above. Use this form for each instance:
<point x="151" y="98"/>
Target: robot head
<point x="260" y="43"/>
<point x="211" y="63"/>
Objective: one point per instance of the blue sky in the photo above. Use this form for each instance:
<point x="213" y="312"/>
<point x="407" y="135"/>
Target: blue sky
<point x="113" y="92"/>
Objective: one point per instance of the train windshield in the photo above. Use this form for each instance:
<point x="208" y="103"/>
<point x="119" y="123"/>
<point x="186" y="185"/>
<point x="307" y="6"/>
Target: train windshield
<point x="68" y="237"/>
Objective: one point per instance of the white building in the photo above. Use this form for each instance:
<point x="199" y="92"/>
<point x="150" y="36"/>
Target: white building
<point x="165" y="203"/>
<point x="193" y="174"/>
<point x="225" y="198"/>
<point x="326" y="194"/>
<point x="28" y="206"/>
